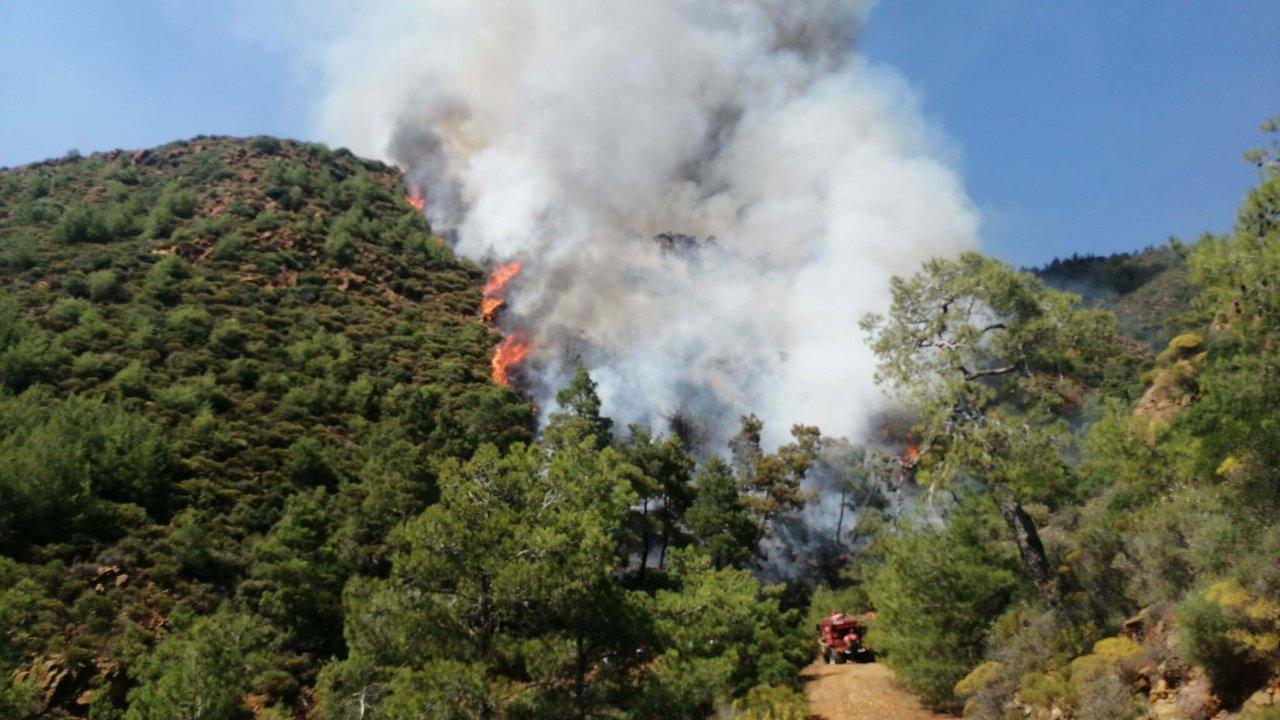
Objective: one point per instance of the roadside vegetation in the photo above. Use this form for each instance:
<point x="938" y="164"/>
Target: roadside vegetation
<point x="1110" y="546"/>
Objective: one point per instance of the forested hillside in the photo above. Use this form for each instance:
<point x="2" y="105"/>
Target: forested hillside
<point x="1148" y="290"/>
<point x="253" y="465"/>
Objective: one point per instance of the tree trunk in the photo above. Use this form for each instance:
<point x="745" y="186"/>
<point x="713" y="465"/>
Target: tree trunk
<point x="840" y="520"/>
<point x="1025" y="535"/>
<point x="666" y="532"/>
<point x="488" y="614"/>
<point x="644" y="540"/>
<point x="580" y="679"/>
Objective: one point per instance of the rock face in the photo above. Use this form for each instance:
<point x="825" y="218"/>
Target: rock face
<point x="1173" y="386"/>
<point x="1268" y="697"/>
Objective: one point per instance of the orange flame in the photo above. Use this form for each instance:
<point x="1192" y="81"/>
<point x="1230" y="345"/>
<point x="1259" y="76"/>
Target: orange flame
<point x="495" y="290"/>
<point x="414" y="197"/>
<point x="911" y="456"/>
<point x="510" y="353"/>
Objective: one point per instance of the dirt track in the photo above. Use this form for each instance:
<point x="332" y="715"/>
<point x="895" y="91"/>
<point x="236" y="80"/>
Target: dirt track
<point x="860" y="692"/>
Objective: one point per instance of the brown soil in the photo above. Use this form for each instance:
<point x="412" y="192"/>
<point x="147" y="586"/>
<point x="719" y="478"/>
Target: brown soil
<point x="860" y="692"/>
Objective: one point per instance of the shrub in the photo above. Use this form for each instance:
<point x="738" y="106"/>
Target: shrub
<point x="770" y="702"/>
<point x="229" y="247"/>
<point x="1232" y="634"/>
<point x="1046" y="690"/>
<point x="242" y="209"/>
<point x="1181" y="347"/>
<point x="267" y="221"/>
<point x="18" y="253"/>
<point x="1109" y="656"/>
<point x="27" y="357"/>
<point x="133" y="380"/>
<point x="181" y="203"/>
<point x="65" y="313"/>
<point x="978" y="678"/>
<point x="193" y="394"/>
<point x="164" y="279"/>
<point x="340" y="248"/>
<point x="228" y="338"/>
<point x="120" y="222"/>
<point x="75" y="285"/>
<point x="81" y="224"/>
<point x="309" y="463"/>
<point x="264" y="145"/>
<point x="160" y="223"/>
<point x="244" y="372"/>
<point x="104" y="286"/>
<point x="89" y="365"/>
<point x="190" y="325"/>
<point x="1109" y="697"/>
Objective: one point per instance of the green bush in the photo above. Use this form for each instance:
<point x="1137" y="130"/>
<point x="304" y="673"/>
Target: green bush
<point x="1214" y="633"/>
<point x="341" y="248"/>
<point x="65" y="312"/>
<point x="18" y="253"/>
<point x="27" y="355"/>
<point x="165" y="278"/>
<point x="170" y="210"/>
<point x="81" y="223"/>
<point x="228" y="338"/>
<point x="89" y="365"/>
<point x="190" y="325"/>
<point x="181" y="203"/>
<point x="229" y="247"/>
<point x="309" y="463"/>
<point x="766" y="702"/>
<point x="104" y="286"/>
<point x="264" y="145"/>
<point x="133" y="380"/>
<point x="160" y="223"/>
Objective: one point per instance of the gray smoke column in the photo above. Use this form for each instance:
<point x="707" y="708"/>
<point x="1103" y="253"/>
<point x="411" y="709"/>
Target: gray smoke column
<point x="567" y="134"/>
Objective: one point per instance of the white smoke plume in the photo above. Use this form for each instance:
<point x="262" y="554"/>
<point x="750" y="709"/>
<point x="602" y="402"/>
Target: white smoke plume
<point x="567" y="134"/>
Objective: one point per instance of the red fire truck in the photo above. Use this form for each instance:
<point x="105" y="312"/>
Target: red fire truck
<point x="840" y="639"/>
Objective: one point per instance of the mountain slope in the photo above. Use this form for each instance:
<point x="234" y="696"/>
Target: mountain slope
<point x="192" y="338"/>
<point x="1145" y="289"/>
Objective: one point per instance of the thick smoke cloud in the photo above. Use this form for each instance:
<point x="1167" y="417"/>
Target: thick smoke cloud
<point x="567" y="134"/>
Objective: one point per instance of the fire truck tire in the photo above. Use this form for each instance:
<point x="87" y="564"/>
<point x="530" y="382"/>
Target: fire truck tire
<point x="841" y="658"/>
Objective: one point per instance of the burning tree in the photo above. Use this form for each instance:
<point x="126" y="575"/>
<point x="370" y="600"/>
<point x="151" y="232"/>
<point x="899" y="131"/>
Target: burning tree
<point x="993" y="363"/>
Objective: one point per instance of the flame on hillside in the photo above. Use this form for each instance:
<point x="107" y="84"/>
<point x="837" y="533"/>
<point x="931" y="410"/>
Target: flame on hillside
<point x="414" y="197"/>
<point x="507" y="357"/>
<point x="911" y="456"/>
<point x="495" y="290"/>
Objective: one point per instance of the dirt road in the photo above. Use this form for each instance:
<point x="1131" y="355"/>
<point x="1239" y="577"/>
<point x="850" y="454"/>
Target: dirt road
<point x="860" y="692"/>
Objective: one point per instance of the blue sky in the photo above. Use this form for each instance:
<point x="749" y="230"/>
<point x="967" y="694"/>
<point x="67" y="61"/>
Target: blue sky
<point x="1087" y="126"/>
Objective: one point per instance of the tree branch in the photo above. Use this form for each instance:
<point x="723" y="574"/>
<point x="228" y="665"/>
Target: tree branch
<point x="970" y="376"/>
